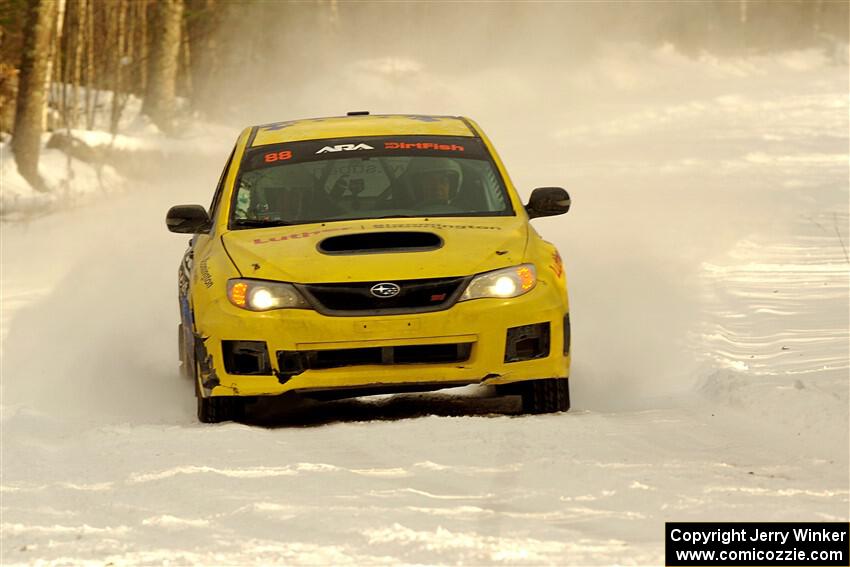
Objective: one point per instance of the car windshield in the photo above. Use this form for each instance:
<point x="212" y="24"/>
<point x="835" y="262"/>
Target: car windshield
<point x="335" y="181"/>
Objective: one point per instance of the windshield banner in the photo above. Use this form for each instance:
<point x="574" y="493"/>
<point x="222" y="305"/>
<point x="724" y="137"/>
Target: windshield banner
<point x="366" y="146"/>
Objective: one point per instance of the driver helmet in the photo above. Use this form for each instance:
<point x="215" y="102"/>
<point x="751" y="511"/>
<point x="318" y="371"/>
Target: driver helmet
<point x="435" y="179"/>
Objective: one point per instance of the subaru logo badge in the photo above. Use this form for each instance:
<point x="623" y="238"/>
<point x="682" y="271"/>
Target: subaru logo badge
<point x="385" y="290"/>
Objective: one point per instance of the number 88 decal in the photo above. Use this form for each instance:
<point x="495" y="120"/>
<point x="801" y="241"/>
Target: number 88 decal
<point x="277" y="156"/>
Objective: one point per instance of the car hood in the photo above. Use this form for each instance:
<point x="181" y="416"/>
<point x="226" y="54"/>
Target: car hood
<point x="303" y="253"/>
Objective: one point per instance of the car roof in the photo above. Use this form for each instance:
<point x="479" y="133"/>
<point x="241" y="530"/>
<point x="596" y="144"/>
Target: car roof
<point x="360" y="125"/>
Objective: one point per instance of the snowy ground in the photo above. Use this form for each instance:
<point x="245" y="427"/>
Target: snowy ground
<point x="707" y="255"/>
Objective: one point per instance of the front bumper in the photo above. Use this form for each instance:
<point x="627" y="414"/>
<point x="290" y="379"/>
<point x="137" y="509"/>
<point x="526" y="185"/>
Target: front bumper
<point x="481" y="325"/>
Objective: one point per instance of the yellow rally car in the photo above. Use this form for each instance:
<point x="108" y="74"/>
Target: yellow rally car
<point x="364" y="254"/>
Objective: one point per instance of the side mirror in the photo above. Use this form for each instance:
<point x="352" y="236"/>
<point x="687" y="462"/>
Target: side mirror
<point x="188" y="219"/>
<point x="547" y="202"/>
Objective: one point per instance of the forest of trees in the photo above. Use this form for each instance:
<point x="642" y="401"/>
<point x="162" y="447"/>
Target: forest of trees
<point x="62" y="60"/>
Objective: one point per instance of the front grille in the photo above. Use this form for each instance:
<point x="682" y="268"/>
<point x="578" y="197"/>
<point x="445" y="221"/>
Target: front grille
<point x="292" y="362"/>
<point x="415" y="296"/>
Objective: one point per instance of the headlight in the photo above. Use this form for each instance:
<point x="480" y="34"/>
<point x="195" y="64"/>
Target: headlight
<point x="259" y="295"/>
<point x="504" y="283"/>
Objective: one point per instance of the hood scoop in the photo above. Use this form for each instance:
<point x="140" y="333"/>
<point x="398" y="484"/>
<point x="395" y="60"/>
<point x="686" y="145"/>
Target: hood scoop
<point x="380" y="242"/>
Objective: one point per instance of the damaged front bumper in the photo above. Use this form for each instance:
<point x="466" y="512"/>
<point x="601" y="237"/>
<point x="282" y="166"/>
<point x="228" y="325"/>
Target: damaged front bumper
<point x="492" y="341"/>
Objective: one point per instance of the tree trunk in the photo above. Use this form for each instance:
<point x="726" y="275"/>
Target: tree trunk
<point x="63" y="69"/>
<point x="202" y="30"/>
<point x="76" y="63"/>
<point x="117" y="62"/>
<point x="90" y="92"/>
<point x="54" y="54"/>
<point x="26" y="140"/>
<point x="159" y="101"/>
<point x="141" y="61"/>
<point x="184" y="62"/>
<point x="131" y="58"/>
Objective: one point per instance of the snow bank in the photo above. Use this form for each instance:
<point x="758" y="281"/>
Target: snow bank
<point x="139" y="146"/>
<point x="70" y="182"/>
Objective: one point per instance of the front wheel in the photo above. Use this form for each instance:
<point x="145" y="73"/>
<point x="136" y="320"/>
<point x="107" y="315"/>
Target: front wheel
<point x="546" y="396"/>
<point x="216" y="409"/>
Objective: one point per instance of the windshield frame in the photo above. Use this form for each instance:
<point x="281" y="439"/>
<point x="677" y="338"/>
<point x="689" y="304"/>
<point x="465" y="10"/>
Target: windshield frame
<point x="310" y="150"/>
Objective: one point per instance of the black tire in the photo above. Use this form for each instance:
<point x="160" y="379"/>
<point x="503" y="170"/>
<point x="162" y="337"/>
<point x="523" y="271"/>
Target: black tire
<point x="548" y="395"/>
<point x="216" y="409"/>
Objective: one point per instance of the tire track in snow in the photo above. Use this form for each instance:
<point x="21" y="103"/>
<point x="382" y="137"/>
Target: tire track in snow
<point x="775" y="304"/>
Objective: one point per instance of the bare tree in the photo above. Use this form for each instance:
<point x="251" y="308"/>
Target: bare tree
<point x="80" y="59"/>
<point x="140" y="41"/>
<point x="75" y="49"/>
<point x="54" y="54"/>
<point x="159" y="101"/>
<point x="90" y="70"/>
<point x="26" y="139"/>
<point x="117" y="60"/>
<point x="202" y="22"/>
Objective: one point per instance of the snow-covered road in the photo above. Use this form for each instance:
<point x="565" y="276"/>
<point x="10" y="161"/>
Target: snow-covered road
<point x="707" y="256"/>
<point x="588" y="488"/>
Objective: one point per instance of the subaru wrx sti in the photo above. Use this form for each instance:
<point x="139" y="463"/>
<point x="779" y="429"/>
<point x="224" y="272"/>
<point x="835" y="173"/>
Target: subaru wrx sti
<point x="365" y="254"/>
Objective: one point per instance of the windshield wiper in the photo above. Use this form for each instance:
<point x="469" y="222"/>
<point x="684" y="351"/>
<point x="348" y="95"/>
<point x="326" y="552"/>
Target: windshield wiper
<point x="256" y="223"/>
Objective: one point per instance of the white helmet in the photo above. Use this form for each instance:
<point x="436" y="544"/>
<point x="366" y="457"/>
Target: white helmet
<point x="422" y="167"/>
